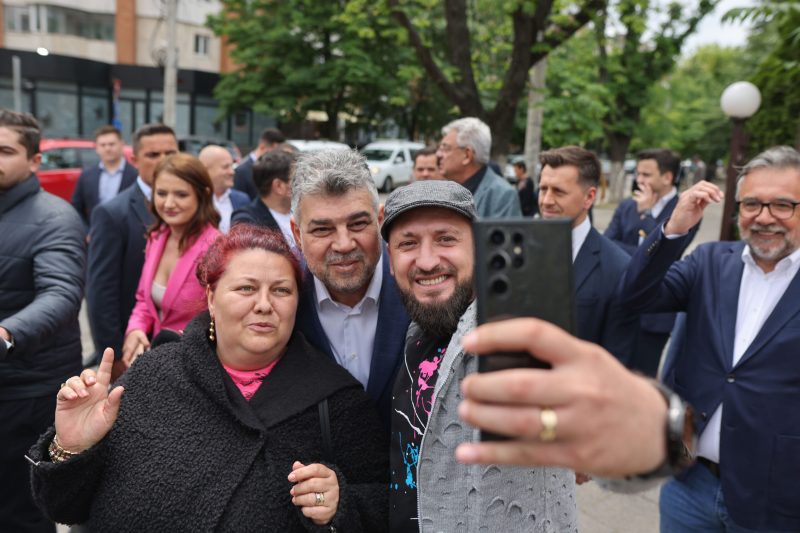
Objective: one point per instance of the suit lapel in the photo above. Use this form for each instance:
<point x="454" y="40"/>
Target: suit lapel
<point x="587" y="259"/>
<point x="129" y="175"/>
<point x="153" y="258"/>
<point x="187" y="263"/>
<point x="139" y="205"/>
<point x="730" y="280"/>
<point x="786" y="309"/>
<point x="390" y="334"/>
<point x="94" y="187"/>
<point x="310" y="319"/>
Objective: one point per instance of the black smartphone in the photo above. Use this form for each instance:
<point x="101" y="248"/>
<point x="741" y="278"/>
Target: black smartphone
<point x="523" y="268"/>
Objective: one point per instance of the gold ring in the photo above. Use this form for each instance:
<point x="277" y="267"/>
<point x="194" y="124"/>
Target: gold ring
<point x="549" y="422"/>
<point x="320" y="498"/>
<point x="63" y="385"/>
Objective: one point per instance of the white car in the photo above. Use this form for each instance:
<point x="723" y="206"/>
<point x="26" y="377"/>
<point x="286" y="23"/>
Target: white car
<point x="390" y="162"/>
<point x="314" y="146"/>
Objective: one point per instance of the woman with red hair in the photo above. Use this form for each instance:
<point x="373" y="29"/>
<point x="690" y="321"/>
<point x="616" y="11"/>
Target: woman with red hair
<point x="241" y="425"/>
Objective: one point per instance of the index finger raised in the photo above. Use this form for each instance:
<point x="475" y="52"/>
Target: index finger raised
<point x="104" y="371"/>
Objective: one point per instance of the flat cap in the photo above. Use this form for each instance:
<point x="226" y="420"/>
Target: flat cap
<point x="430" y="193"/>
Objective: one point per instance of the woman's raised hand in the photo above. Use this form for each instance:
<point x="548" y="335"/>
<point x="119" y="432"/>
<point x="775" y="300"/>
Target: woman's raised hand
<point x="316" y="491"/>
<point x="85" y="410"/>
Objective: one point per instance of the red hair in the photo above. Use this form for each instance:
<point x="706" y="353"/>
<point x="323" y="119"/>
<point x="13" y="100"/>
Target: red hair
<point x="243" y="237"/>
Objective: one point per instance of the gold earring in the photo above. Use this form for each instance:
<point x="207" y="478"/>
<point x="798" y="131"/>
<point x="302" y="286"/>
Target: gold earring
<point x="211" y="336"/>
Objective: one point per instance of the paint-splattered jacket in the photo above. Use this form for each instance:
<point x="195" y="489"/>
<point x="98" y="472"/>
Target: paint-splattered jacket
<point x="456" y="497"/>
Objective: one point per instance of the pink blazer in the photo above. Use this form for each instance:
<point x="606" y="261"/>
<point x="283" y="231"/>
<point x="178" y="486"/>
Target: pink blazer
<point x="183" y="298"/>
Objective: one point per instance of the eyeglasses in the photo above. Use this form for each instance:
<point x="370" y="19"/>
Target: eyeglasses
<point x="780" y="209"/>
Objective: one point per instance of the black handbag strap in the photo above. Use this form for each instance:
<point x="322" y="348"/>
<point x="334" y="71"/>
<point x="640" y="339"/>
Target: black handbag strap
<point x="325" y="426"/>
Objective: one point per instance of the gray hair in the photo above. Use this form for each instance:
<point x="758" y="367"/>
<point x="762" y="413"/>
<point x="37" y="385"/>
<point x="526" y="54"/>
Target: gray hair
<point x="778" y="157"/>
<point x="331" y="172"/>
<point x="472" y="133"/>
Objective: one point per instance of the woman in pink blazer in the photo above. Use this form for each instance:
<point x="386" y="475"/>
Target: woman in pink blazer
<point x="186" y="221"/>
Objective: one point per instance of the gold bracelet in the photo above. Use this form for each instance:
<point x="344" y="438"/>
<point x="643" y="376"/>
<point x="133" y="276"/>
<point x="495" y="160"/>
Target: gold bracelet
<point x="59" y="454"/>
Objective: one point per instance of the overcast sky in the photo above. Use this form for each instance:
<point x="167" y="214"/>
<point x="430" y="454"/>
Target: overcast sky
<point x="712" y="30"/>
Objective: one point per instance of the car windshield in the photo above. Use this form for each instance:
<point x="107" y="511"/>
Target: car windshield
<point x="377" y="154"/>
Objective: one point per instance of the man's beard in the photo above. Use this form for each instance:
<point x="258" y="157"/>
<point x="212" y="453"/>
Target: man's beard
<point x="767" y="253"/>
<point x="353" y="283"/>
<point x="439" y="319"/>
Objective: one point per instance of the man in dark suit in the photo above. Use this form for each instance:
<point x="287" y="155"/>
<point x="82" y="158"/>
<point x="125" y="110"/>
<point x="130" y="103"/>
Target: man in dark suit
<point x="219" y="164"/>
<point x="738" y="366"/>
<point x="567" y="188"/>
<point x="272" y="208"/>
<point x="101" y="182"/>
<point x="350" y="307"/>
<point x="635" y="218"/>
<point x="116" y="247"/>
<point x="528" y="199"/>
<point x="270" y="139"/>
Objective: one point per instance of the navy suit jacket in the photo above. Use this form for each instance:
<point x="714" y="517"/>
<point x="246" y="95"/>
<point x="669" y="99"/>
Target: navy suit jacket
<point x="116" y="256"/>
<point x="238" y="200"/>
<point x="597" y="270"/>
<point x="760" y="430"/>
<point x="243" y="178"/>
<point x="390" y="336"/>
<point x="257" y="213"/>
<point x="624" y="230"/>
<point x="86" y="195"/>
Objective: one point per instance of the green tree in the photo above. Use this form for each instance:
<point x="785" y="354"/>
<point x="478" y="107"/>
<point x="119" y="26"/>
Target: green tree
<point x="636" y="58"/>
<point x="777" y="33"/>
<point x="480" y="57"/>
<point x="294" y="56"/>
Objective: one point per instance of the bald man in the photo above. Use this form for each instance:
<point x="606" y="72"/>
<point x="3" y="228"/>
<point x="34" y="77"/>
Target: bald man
<point x="219" y="163"/>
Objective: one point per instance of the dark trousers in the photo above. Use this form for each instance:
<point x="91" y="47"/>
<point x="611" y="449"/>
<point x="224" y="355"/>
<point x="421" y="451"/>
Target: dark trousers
<point x="21" y="423"/>
<point x="647" y="354"/>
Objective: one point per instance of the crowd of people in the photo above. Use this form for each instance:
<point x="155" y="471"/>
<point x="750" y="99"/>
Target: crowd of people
<point x="278" y="350"/>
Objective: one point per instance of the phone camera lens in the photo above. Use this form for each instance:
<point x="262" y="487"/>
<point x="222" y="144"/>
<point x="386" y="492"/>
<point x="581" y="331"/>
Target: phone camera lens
<point x="497" y="237"/>
<point x="499" y="286"/>
<point x="498" y="262"/>
<point x="519" y="238"/>
<point x="517" y="261"/>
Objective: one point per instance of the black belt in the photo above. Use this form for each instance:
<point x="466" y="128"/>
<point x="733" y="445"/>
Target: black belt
<point x="710" y="465"/>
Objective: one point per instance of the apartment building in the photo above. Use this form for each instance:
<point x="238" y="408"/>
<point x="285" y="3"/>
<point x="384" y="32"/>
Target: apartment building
<point x="85" y="63"/>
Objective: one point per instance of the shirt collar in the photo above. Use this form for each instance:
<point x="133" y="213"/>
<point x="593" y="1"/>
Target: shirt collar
<point x="579" y="234"/>
<point x="474" y="181"/>
<point x="373" y="291"/>
<point x="120" y="168"/>
<point x="791" y="261"/>
<point x="146" y="189"/>
<point x="223" y="197"/>
<point x="664" y="200"/>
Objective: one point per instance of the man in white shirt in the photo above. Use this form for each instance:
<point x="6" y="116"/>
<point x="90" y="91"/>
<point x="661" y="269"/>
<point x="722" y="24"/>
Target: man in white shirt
<point x="567" y="188"/>
<point x="101" y="182"/>
<point x="634" y="219"/>
<point x="219" y="164"/>
<point x="739" y="364"/>
<point x="350" y="308"/>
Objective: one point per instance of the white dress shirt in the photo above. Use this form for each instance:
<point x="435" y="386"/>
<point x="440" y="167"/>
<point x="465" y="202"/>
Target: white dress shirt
<point x="146" y="189"/>
<point x="759" y="293"/>
<point x="285" y="223"/>
<point x="351" y="330"/>
<point x="110" y="182"/>
<point x="224" y="207"/>
<point x="579" y="234"/>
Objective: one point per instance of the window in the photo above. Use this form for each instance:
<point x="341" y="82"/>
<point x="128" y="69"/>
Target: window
<point x="60" y="20"/>
<point x="18" y="18"/>
<point x="201" y="44"/>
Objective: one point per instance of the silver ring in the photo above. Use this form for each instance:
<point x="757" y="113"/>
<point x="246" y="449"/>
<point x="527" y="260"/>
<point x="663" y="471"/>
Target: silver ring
<point x="320" y="498"/>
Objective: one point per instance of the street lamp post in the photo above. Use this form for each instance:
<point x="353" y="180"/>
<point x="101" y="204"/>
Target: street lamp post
<point x="739" y="101"/>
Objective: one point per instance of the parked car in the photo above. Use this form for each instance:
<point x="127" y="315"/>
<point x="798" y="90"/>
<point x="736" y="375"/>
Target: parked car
<point x="315" y="145"/>
<point x="63" y="160"/>
<point x="193" y="145"/>
<point x="391" y="162"/>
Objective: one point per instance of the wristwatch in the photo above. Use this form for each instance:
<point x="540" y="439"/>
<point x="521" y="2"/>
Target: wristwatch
<point x="680" y="434"/>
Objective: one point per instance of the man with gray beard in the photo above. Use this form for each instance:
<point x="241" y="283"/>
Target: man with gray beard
<point x="349" y="306"/>
<point x="738" y="365"/>
<point x="428" y="230"/>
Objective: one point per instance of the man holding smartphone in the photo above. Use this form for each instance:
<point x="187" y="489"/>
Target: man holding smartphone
<point x="427" y="226"/>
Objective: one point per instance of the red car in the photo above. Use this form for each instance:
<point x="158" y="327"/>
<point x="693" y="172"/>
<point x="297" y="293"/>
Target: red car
<point x="63" y="160"/>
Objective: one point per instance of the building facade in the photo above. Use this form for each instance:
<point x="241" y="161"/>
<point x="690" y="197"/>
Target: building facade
<point x="86" y="63"/>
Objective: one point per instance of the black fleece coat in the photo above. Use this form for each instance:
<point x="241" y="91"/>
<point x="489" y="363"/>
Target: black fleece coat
<point x="188" y="453"/>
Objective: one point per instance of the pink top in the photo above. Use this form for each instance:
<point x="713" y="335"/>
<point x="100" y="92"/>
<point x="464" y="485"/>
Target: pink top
<point x="248" y="381"/>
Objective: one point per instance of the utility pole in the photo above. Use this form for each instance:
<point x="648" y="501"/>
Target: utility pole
<point x="16" y="75"/>
<point x="171" y="67"/>
<point x="533" y="130"/>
